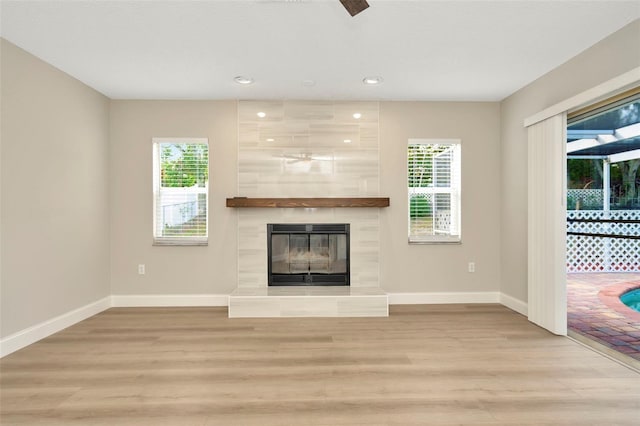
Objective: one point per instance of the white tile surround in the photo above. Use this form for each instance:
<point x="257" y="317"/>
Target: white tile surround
<point x="252" y="241"/>
<point x="298" y="150"/>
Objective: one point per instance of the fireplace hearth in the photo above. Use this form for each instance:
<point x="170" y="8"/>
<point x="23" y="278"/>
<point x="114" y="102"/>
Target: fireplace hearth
<point x="308" y="254"/>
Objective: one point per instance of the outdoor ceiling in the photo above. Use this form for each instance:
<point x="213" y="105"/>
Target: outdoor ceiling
<point x="614" y="130"/>
<point x="313" y="49"/>
<point x="608" y="149"/>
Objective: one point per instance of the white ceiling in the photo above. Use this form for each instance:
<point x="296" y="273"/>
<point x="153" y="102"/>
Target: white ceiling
<point x="424" y="50"/>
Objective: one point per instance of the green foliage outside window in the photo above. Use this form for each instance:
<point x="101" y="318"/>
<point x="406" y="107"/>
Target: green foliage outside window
<point x="420" y="160"/>
<point x="419" y="206"/>
<point x="184" y="165"/>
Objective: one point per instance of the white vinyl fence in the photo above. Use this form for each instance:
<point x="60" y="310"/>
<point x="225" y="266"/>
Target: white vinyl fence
<point x="600" y="254"/>
<point x="180" y="205"/>
<point x="584" y="199"/>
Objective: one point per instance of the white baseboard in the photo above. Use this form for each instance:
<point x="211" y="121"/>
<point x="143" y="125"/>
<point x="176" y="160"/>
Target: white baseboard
<point x="30" y="335"/>
<point x="37" y="332"/>
<point x="514" y="304"/>
<point x="150" y="300"/>
<point x="443" y="298"/>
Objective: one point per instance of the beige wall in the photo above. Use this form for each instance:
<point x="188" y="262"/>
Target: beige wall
<point x="170" y="270"/>
<point x="55" y="213"/>
<point x="609" y="58"/>
<point x="441" y="268"/>
<point x="213" y="269"/>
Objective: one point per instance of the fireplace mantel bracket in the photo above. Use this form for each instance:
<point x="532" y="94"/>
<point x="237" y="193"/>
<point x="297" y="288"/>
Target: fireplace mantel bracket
<point x="329" y="202"/>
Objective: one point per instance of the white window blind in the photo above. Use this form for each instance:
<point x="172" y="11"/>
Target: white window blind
<point x="433" y="168"/>
<point x="180" y="191"/>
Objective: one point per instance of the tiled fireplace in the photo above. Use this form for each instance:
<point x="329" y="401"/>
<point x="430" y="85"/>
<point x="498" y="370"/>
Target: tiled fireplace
<point x="308" y="149"/>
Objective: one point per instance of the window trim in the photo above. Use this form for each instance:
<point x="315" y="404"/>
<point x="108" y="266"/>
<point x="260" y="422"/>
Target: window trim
<point x="176" y="241"/>
<point x="435" y="239"/>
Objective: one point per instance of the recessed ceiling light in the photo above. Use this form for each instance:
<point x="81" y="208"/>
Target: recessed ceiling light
<point x="357" y="115"/>
<point x="308" y="83"/>
<point x="261" y="114"/>
<point x="270" y="139"/>
<point x="347" y="141"/>
<point x="372" y="80"/>
<point x="243" y="80"/>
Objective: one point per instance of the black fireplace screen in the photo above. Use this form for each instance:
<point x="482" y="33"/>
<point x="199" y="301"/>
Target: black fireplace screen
<point x="308" y="254"/>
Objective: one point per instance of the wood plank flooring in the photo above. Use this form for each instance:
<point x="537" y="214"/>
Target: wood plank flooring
<point x="423" y="365"/>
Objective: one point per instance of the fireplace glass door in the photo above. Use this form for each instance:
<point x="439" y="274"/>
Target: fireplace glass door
<point x="308" y="254"/>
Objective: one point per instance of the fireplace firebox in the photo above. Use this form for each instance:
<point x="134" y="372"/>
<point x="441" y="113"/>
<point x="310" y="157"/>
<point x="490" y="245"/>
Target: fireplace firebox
<point x="308" y="254"/>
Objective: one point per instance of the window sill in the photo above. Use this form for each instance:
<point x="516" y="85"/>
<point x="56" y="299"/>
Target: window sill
<point x="174" y="243"/>
<point x="457" y="242"/>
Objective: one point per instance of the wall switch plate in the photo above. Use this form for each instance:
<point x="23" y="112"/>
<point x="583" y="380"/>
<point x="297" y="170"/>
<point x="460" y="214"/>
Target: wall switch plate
<point x="472" y="266"/>
<point x="141" y="269"/>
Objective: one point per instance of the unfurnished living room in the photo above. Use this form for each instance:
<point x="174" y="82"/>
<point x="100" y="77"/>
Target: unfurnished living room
<point x="319" y="212"/>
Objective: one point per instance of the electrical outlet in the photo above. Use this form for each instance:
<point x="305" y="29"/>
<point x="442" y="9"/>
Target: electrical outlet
<point x="472" y="266"/>
<point x="141" y="269"/>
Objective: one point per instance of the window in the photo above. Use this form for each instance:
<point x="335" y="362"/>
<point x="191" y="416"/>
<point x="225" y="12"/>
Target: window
<point x="180" y="191"/>
<point x="434" y="190"/>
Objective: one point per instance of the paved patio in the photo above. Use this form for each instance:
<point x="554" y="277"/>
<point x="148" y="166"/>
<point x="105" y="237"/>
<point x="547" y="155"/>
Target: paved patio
<point x="595" y="311"/>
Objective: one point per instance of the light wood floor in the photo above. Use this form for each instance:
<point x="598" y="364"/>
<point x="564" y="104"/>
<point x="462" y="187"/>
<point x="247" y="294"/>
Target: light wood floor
<point x="424" y="365"/>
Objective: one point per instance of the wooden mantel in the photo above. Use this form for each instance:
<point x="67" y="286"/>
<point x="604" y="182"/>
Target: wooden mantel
<point x="329" y="202"/>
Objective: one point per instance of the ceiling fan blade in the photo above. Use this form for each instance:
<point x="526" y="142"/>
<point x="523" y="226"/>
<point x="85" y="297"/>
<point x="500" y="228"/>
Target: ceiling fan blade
<point x="354" y="6"/>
